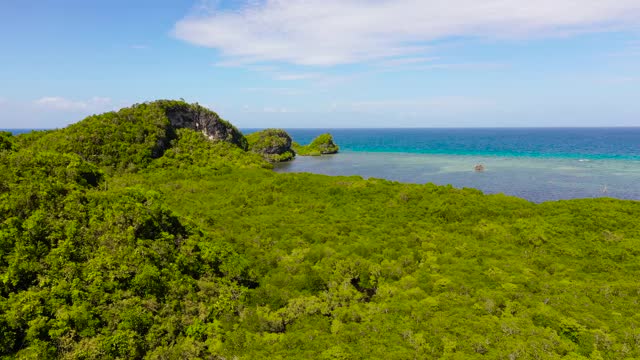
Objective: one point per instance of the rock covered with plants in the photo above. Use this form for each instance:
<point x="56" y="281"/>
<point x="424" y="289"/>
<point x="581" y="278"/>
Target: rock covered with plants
<point x="196" y="117"/>
<point x="273" y="144"/>
<point x="321" y="145"/>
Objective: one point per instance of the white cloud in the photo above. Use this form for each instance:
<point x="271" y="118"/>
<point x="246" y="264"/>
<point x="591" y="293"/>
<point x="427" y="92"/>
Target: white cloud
<point x="330" y="32"/>
<point x="64" y="104"/>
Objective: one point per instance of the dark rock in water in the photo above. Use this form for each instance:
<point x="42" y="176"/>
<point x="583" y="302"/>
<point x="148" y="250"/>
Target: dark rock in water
<point x="196" y="117"/>
<point x="321" y="145"/>
<point x="479" y="168"/>
<point x="273" y="144"/>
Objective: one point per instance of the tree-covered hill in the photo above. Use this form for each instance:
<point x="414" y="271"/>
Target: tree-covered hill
<point x="201" y="251"/>
<point x="130" y="138"/>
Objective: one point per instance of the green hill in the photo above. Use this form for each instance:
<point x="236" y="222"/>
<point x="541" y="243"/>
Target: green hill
<point x="194" y="248"/>
<point x="131" y="138"/>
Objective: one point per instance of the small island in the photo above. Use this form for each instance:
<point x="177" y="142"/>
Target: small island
<point x="321" y="145"/>
<point x="276" y="145"/>
<point x="273" y="144"/>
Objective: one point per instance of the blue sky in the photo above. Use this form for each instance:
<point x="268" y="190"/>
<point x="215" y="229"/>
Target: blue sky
<point x="326" y="63"/>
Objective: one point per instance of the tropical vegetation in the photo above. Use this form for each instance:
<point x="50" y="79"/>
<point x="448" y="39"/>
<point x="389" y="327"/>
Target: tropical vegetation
<point x="128" y="236"/>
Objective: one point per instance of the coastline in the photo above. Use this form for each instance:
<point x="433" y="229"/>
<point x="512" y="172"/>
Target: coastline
<point x="537" y="179"/>
<point x="611" y="169"/>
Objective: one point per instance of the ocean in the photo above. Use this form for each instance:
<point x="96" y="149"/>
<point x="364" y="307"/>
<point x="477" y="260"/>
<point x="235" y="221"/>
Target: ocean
<point x="535" y="164"/>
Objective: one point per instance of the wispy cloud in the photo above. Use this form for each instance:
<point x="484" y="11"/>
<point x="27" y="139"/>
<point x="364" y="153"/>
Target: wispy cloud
<point x="463" y="66"/>
<point x="63" y="104"/>
<point x="268" y="110"/>
<point x="296" y="76"/>
<point x="283" y="91"/>
<point x="632" y="49"/>
<point x="330" y="32"/>
<point x="407" y="61"/>
<point x="437" y="104"/>
<point x="280" y="110"/>
<point x="275" y="72"/>
<point x="139" y="46"/>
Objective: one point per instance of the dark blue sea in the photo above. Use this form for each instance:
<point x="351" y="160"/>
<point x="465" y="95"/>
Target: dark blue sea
<point x="535" y="164"/>
<point x="586" y="143"/>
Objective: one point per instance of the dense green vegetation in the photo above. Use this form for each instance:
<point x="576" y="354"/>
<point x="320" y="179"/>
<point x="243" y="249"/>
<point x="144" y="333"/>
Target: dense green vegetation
<point x="323" y="144"/>
<point x="201" y="251"/>
<point x="129" y="139"/>
<point x="273" y="144"/>
<point x="6" y="141"/>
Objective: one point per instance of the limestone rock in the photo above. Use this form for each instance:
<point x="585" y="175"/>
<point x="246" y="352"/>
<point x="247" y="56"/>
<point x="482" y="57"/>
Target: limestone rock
<point x="196" y="117"/>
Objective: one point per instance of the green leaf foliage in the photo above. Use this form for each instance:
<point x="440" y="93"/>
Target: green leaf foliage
<point x="204" y="252"/>
<point x="6" y="141"/>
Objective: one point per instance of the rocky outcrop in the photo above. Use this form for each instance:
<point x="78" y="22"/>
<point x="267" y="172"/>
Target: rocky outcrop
<point x="273" y="144"/>
<point x="321" y="145"/>
<point x="196" y="117"/>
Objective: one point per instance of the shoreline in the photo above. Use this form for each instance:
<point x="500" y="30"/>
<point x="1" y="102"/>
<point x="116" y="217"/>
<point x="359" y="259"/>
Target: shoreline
<point x="535" y="179"/>
<point x="576" y="157"/>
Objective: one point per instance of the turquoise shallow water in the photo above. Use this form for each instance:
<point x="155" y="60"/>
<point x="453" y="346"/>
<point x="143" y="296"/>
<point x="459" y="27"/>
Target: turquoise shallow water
<point x="535" y="179"/>
<point x="535" y="164"/>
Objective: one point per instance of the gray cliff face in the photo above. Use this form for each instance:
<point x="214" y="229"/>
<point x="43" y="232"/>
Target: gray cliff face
<point x="205" y="121"/>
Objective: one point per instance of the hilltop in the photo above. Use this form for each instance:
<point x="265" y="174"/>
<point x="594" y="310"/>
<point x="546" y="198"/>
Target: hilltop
<point x="155" y="232"/>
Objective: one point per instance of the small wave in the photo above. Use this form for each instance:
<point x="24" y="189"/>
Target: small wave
<point x="584" y="160"/>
